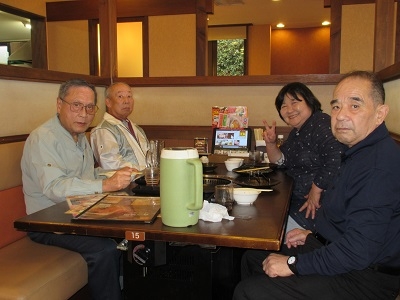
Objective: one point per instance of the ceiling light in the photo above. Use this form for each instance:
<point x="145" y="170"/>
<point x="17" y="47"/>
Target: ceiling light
<point x="326" y="23"/>
<point x="280" y="25"/>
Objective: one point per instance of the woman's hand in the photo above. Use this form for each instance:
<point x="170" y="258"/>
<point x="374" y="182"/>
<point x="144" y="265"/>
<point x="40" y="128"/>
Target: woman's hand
<point x="269" y="133"/>
<point x="313" y="201"/>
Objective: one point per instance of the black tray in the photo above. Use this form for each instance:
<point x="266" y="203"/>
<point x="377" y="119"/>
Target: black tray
<point x="255" y="182"/>
<point x="145" y="190"/>
<point x="255" y="170"/>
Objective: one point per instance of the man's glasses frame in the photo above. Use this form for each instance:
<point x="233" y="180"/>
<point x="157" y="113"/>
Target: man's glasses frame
<point x="90" y="109"/>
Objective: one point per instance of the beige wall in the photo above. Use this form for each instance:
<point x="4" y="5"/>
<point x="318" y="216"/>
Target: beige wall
<point x="392" y="90"/>
<point x="357" y="44"/>
<point x="172" y="49"/>
<point x="68" y="46"/>
<point x="192" y="105"/>
<point x="25" y="105"/>
<point x="35" y="102"/>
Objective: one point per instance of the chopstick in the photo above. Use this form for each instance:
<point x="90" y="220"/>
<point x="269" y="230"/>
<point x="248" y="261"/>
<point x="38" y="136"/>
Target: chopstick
<point x="253" y="169"/>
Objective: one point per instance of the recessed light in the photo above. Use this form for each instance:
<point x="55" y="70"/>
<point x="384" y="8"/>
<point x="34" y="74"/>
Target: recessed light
<point x="326" y="23"/>
<point x="280" y="25"/>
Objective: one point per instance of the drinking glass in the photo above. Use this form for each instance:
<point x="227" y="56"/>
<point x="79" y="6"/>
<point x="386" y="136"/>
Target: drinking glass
<point x="224" y="195"/>
<point x="152" y="175"/>
<point x="254" y="157"/>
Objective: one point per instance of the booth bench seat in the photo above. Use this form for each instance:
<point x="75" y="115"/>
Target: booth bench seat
<point x="29" y="270"/>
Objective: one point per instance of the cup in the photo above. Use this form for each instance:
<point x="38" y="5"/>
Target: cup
<point x="224" y="195"/>
<point x="254" y="157"/>
<point x="152" y="175"/>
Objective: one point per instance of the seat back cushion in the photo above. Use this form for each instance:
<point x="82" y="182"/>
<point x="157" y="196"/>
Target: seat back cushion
<point x="12" y="207"/>
<point x="11" y="174"/>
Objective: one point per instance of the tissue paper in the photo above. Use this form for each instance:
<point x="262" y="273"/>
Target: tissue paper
<point x="214" y="212"/>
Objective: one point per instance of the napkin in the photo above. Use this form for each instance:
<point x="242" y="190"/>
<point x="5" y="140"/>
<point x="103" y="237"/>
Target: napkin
<point x="214" y="212"/>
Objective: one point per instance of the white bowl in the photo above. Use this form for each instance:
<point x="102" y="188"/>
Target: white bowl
<point x="245" y="196"/>
<point x="232" y="164"/>
<point x="241" y="160"/>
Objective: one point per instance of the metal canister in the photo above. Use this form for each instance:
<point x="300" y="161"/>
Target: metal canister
<point x="201" y="144"/>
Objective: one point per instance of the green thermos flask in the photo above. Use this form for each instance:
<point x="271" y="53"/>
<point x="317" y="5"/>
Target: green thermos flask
<point x="181" y="186"/>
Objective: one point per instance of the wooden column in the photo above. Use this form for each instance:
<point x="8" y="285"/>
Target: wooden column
<point x="108" y="38"/>
<point x="201" y="38"/>
<point x="384" y="34"/>
<point x="397" y="41"/>
<point x="39" y="44"/>
<point x="336" y="36"/>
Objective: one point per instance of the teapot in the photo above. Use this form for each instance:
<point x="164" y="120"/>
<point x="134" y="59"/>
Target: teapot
<point x="181" y="186"/>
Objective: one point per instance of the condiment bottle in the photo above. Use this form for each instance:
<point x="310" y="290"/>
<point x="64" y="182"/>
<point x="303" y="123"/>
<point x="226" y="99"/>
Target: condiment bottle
<point x="279" y="140"/>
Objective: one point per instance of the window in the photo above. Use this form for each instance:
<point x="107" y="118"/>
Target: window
<point x="227" y="49"/>
<point x="230" y="57"/>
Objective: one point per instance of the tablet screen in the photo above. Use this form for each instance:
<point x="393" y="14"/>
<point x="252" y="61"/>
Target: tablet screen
<point x="226" y="140"/>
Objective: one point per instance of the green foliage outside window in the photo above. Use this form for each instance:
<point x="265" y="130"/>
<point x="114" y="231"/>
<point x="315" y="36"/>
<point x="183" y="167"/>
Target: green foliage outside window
<point x="230" y="57"/>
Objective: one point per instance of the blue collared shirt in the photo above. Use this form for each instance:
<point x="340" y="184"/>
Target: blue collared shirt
<point x="55" y="166"/>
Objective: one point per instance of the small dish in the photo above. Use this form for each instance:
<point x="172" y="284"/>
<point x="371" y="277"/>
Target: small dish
<point x="241" y="160"/>
<point x="245" y="196"/>
<point x="232" y="164"/>
<point x="209" y="167"/>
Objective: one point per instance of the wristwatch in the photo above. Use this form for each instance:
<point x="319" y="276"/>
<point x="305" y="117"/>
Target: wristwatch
<point x="292" y="261"/>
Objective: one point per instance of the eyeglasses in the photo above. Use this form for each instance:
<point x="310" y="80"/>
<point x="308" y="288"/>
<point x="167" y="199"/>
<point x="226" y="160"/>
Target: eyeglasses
<point x="91" y="109"/>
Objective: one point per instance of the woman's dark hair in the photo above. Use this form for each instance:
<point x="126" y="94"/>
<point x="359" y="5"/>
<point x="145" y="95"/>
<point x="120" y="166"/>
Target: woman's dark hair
<point x="296" y="89"/>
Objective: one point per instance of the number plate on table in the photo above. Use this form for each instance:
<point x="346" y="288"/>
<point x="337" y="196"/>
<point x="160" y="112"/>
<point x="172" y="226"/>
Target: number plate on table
<point x="135" y="236"/>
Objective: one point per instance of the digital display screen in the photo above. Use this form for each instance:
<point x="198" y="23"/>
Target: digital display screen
<point x="225" y="140"/>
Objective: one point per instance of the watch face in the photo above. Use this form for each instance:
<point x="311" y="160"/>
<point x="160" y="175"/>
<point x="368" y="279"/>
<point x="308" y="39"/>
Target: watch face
<point x="291" y="260"/>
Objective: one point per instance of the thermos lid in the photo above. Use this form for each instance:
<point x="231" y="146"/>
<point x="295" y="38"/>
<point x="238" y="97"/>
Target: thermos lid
<point x="179" y="153"/>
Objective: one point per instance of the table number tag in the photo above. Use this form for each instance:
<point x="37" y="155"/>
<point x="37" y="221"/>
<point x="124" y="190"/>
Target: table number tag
<point x="135" y="236"/>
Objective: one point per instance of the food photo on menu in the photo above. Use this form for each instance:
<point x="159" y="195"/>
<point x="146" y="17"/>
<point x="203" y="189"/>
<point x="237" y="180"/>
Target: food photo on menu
<point x="116" y="208"/>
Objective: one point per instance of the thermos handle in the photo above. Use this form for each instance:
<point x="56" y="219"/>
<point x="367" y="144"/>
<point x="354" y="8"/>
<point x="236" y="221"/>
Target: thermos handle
<point x="198" y="184"/>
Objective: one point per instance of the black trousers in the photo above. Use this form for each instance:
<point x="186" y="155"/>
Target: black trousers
<point x="365" y="284"/>
<point x="101" y="256"/>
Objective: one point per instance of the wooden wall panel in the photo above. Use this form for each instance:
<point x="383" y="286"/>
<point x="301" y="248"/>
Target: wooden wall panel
<point x="300" y="51"/>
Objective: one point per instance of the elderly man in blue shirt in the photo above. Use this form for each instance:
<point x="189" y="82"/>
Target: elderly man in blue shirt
<point x="58" y="162"/>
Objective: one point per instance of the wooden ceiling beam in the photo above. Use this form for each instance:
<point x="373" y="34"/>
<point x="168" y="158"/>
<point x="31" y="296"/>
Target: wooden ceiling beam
<point x="328" y="3"/>
<point x="89" y="9"/>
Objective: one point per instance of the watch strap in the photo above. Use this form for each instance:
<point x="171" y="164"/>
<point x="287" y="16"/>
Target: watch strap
<point x="292" y="266"/>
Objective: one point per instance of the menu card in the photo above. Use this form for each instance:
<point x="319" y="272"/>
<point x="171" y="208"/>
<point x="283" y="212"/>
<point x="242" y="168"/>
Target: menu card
<point x="117" y="208"/>
<point x="233" y="117"/>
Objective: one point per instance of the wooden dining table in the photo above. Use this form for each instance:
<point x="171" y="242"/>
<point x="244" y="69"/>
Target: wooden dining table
<point x="258" y="226"/>
<point x="216" y="262"/>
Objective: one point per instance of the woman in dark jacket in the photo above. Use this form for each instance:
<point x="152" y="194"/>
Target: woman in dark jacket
<point x="311" y="153"/>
